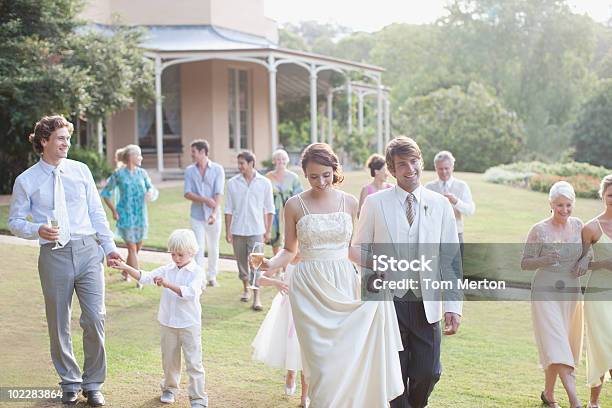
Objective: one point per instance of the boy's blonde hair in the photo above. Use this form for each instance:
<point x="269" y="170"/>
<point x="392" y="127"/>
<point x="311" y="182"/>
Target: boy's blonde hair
<point x="183" y="240"/>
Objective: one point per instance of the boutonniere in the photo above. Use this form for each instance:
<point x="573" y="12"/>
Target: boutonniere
<point x="426" y="208"/>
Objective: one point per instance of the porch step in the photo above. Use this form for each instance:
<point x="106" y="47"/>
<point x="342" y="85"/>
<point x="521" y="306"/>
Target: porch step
<point x="173" y="174"/>
<point x="149" y="160"/>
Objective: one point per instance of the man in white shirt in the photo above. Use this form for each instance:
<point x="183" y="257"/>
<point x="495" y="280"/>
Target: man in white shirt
<point x="249" y="208"/>
<point x="62" y="192"/>
<point x="456" y="191"/>
<point x="204" y="181"/>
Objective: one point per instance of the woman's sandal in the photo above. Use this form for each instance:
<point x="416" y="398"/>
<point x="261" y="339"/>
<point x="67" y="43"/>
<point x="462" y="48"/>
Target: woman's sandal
<point x="547" y="403"/>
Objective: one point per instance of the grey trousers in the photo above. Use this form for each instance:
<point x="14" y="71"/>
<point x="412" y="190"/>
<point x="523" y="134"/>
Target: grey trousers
<point x="77" y="267"/>
<point x="243" y="245"/>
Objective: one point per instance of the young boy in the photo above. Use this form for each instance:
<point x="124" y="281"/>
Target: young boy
<point x="180" y="315"/>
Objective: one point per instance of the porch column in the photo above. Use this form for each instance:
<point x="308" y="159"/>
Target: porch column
<point x="387" y="121"/>
<point x="349" y="102"/>
<point x="100" y="137"/>
<point x="360" y="111"/>
<point x="313" y="104"/>
<point x="159" y="136"/>
<point x="330" y="116"/>
<point x="322" y="124"/>
<point x="379" y="115"/>
<point x="273" y="107"/>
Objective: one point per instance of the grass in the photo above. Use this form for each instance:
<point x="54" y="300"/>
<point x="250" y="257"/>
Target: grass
<point x="503" y="214"/>
<point x="492" y="361"/>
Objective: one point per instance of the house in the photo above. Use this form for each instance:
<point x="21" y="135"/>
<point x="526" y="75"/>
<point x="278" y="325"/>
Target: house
<point x="219" y="74"/>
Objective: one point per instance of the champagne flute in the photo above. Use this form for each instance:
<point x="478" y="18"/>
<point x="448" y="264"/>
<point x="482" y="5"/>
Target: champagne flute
<point x="557" y="245"/>
<point x="54" y="223"/>
<point x="257" y="257"/>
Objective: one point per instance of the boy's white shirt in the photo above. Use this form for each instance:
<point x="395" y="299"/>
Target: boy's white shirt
<point x="178" y="311"/>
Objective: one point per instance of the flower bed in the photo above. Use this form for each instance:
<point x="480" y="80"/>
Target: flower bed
<point x="538" y="176"/>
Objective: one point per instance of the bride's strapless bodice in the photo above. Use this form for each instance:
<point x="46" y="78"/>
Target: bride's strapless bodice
<point x="322" y="233"/>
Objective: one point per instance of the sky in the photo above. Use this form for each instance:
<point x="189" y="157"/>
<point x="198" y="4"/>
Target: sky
<point x="362" y="16"/>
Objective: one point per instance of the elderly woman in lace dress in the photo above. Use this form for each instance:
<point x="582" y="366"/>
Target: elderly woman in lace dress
<point x="553" y="250"/>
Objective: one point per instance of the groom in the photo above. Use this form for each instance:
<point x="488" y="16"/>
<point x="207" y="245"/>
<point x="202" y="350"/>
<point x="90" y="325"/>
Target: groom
<point x="415" y="222"/>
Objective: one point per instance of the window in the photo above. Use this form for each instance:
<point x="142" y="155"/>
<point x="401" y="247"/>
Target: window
<point x="171" y="112"/>
<point x="239" y="109"/>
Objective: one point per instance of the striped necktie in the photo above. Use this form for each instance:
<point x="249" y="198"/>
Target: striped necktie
<point x="409" y="209"/>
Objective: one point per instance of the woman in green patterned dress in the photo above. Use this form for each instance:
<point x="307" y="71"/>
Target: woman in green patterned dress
<point x="134" y="189"/>
<point x="285" y="184"/>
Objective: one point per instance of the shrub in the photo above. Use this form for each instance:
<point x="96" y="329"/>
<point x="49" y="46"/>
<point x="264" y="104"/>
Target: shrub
<point x="538" y="176"/>
<point x="100" y="169"/>
<point x="499" y="175"/>
<point x="473" y="124"/>
<point x="584" y="186"/>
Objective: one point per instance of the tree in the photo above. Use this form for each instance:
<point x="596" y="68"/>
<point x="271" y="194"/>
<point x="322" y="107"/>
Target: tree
<point x="312" y="36"/>
<point x="50" y="66"/>
<point x="535" y="54"/>
<point x="116" y="67"/>
<point x="472" y="124"/>
<point x="592" y="132"/>
<point x="291" y="40"/>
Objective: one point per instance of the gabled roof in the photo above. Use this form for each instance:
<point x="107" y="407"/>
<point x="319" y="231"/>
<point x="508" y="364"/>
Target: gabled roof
<point x="200" y="38"/>
<point x="176" y="41"/>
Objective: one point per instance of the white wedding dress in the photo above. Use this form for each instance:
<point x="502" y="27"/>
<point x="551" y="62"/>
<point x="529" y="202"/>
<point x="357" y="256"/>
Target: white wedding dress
<point x="276" y="343"/>
<point x="349" y="347"/>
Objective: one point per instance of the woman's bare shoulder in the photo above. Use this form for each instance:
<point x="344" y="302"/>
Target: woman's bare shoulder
<point x="293" y="203"/>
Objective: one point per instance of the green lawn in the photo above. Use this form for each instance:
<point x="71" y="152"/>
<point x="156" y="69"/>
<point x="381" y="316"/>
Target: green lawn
<point x="492" y="362"/>
<point x="503" y="214"/>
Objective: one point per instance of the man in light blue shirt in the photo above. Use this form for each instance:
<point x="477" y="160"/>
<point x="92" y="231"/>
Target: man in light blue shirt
<point x="204" y="183"/>
<point x="62" y="192"/>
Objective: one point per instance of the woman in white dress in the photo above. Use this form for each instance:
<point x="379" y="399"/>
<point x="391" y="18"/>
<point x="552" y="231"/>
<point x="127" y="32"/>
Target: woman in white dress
<point x="553" y="248"/>
<point x="349" y="347"/>
<point x="597" y="234"/>
<point x="276" y="343"/>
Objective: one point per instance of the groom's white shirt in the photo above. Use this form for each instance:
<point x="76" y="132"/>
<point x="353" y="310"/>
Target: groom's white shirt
<point x="383" y="220"/>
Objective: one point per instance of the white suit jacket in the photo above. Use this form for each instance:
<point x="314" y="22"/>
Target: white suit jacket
<point x="380" y="222"/>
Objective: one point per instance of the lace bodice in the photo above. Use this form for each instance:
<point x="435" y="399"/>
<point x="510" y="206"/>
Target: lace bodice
<point x="324" y="231"/>
<point x="545" y="242"/>
<point x="330" y="231"/>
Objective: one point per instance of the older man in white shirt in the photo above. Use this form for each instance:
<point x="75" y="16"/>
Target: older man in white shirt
<point x="68" y="220"/>
<point x="456" y="191"/>
<point x="249" y="208"/>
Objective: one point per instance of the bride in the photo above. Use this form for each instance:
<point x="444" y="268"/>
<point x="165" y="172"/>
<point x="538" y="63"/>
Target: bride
<point x="349" y="347"/>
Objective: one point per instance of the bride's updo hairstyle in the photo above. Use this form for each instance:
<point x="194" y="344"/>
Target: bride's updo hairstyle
<point x="322" y="153"/>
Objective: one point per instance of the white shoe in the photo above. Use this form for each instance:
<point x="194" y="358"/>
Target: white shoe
<point x="589" y="405"/>
<point x="167" y="397"/>
<point x="200" y="402"/>
<point x="306" y="403"/>
<point x="290" y="390"/>
<point x="213" y="283"/>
